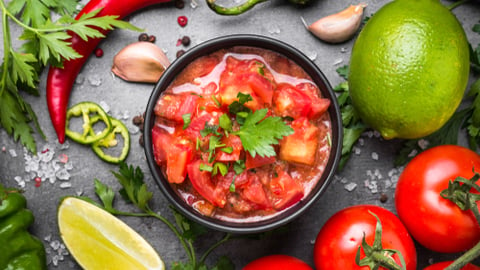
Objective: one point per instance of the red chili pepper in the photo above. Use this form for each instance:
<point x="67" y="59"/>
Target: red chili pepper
<point x="60" y="80"/>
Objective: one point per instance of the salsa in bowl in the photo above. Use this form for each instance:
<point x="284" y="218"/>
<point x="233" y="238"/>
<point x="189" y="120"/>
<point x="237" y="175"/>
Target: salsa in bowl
<point x="242" y="133"/>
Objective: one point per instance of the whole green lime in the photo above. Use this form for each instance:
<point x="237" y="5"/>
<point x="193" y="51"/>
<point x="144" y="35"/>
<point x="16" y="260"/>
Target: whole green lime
<point x="409" y="68"/>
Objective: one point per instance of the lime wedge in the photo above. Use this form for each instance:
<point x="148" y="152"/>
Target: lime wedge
<point x="99" y="240"/>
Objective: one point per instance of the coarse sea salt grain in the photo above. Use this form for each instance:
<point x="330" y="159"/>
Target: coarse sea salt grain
<point x="350" y="186"/>
<point x="46" y="166"/>
<point x="12" y="152"/>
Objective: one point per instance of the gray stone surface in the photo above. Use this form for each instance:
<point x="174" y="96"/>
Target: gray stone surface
<point x="276" y="18"/>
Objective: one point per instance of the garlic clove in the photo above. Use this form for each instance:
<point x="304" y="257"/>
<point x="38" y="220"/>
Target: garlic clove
<point x="340" y="26"/>
<point x="140" y="62"/>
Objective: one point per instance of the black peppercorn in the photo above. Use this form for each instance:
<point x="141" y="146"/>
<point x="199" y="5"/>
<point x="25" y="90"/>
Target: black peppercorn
<point x="179" y="4"/>
<point x="143" y="37"/>
<point x="179" y="53"/>
<point x="185" y="41"/>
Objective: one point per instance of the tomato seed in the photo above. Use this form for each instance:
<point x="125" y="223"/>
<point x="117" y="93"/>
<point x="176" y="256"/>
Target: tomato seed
<point x="182" y="21"/>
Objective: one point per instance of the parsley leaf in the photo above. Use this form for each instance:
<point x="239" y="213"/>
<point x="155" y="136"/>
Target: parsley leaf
<point x="134" y="190"/>
<point x="258" y="133"/>
<point x="44" y="42"/>
<point x="353" y="127"/>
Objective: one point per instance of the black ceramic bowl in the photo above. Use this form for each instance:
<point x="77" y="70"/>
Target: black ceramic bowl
<point x="266" y="43"/>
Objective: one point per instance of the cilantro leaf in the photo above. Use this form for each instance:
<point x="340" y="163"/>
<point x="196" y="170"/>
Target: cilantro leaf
<point x="133" y="188"/>
<point x="22" y="69"/>
<point x="353" y="127"/>
<point x="190" y="230"/>
<point x="106" y="195"/>
<point x="187" y="119"/>
<point x="15" y="116"/>
<point x="258" y="133"/>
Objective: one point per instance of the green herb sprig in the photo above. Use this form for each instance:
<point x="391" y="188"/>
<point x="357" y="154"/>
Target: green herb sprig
<point x="134" y="190"/>
<point x="45" y="42"/>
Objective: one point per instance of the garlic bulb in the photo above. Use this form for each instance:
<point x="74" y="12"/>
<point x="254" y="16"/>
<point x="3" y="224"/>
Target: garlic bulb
<point x="140" y="62"/>
<point x="340" y="26"/>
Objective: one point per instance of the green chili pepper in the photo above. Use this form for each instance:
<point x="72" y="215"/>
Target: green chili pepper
<point x="88" y="111"/>
<point x="110" y="141"/>
<point x="18" y="248"/>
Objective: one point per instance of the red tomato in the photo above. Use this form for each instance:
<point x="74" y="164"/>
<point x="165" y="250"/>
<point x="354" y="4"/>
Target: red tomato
<point x="261" y="86"/>
<point x="443" y="265"/>
<point x="301" y="146"/>
<point x="202" y="182"/>
<point x="289" y="101"/>
<point x="339" y="238"/>
<point x="235" y="143"/>
<point x="160" y="139"/>
<point x="435" y="222"/>
<point x="174" y="150"/>
<point x="258" y="161"/>
<point x="173" y="107"/>
<point x="275" y="262"/>
<point x="178" y="156"/>
<point x="253" y="192"/>
<point x="198" y="123"/>
<point x="285" y="189"/>
<point x="318" y="105"/>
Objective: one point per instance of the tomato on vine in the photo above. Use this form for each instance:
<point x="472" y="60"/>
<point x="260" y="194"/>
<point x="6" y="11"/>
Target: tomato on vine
<point x="434" y="221"/>
<point x="356" y="231"/>
<point x="277" y="261"/>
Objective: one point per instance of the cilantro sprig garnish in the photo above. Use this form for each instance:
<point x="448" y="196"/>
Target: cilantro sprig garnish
<point x="259" y="133"/>
<point x="45" y="42"/>
<point x="135" y="191"/>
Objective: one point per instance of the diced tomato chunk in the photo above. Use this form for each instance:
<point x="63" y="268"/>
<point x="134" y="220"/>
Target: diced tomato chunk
<point x="288" y="101"/>
<point x="260" y="85"/>
<point x="319" y="105"/>
<point x="232" y="142"/>
<point x="254" y="193"/>
<point x="285" y="189"/>
<point x="198" y="123"/>
<point x="160" y="140"/>
<point x="301" y="146"/>
<point x="203" y="184"/>
<point x="229" y="94"/>
<point x="178" y="156"/>
<point x="173" y="150"/>
<point x="174" y="106"/>
<point x="258" y="161"/>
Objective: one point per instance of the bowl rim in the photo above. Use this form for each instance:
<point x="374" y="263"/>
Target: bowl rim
<point x="318" y="77"/>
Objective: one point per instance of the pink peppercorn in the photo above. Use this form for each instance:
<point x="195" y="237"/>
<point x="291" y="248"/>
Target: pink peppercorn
<point x="182" y="21"/>
<point x="38" y="181"/>
<point x="98" y="52"/>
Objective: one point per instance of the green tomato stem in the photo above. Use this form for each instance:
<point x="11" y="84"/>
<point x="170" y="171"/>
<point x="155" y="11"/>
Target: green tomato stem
<point x="467" y="257"/>
<point x="236" y="10"/>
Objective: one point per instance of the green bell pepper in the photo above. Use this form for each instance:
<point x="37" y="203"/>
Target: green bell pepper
<point x="19" y="249"/>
